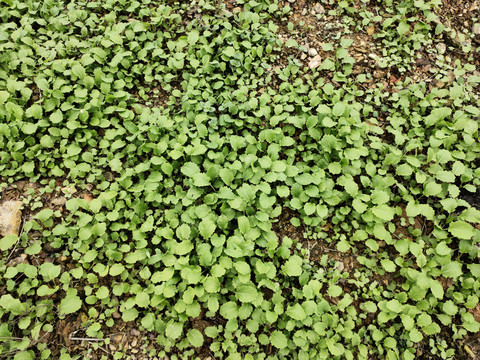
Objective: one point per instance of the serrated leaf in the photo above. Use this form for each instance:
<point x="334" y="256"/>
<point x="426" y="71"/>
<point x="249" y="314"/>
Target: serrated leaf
<point x="278" y="339"/>
<point x="384" y="212"/>
<point x="452" y="269"/>
<point x="297" y="312"/>
<point x="195" y="338"/>
<point x="190" y="169"/>
<point x="207" y="228"/>
<point x="71" y="303"/>
<point x="201" y="180"/>
<point x="229" y="310"/>
<point x="246" y="293"/>
<point x="461" y="229"/>
<point x="174" y="330"/>
<point x="293" y="266"/>
<point x="388" y="265"/>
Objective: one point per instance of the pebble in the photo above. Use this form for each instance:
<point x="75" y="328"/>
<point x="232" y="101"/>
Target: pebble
<point x="441" y="48"/>
<point x="18" y="260"/>
<point x="318" y="9"/>
<point x="312" y="52"/>
<point x="340" y="266"/>
<point x="59" y="201"/>
<point x="10" y="217"/>
<point x="135" y="332"/>
<point x="134" y="343"/>
<point x="315" y="62"/>
<point x="476" y="28"/>
<point x="291" y="1"/>
<point x="116" y="315"/>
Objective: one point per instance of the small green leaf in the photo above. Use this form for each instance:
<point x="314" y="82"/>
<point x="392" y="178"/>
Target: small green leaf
<point x="174" y="330"/>
<point x="29" y="128"/>
<point x="195" y="338"/>
<point x="415" y="335"/>
<point x="207" y="228"/>
<point x="247" y="293"/>
<point x="293" y="266"/>
<point x="452" y="269"/>
<point x="384" y="212"/>
<point x="403" y="28"/>
<point x="278" y="339"/>
<point x="129" y="314"/>
<point x="193" y="36"/>
<point x="190" y="169"/>
<point x="462" y="230"/>
<point x="47" y="141"/>
<point x="71" y="303"/>
<point x="334" y="290"/>
<point x="201" y="180"/>
<point x="297" y="312"/>
<point x="388" y="265"/>
<point x="8" y="241"/>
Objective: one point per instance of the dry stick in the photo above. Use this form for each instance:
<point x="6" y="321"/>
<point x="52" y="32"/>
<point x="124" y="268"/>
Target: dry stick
<point x="469" y="351"/>
<point x="85" y="339"/>
<point x="106" y="351"/>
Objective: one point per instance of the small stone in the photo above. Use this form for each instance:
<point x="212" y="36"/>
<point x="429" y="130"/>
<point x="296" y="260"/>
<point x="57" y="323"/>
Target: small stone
<point x="291" y="1"/>
<point x="312" y="52"/>
<point x="113" y="348"/>
<point x="441" y="48"/>
<point x="135" y="332"/>
<point x="476" y="29"/>
<point x="116" y="315"/>
<point x="340" y="266"/>
<point x="318" y="9"/>
<point x="304" y="11"/>
<point x="117" y="338"/>
<point x="59" y="201"/>
<point x="134" y="343"/>
<point x="10" y="217"/>
<point x="18" y="260"/>
<point x="303" y="56"/>
<point x="134" y="351"/>
<point x="315" y="62"/>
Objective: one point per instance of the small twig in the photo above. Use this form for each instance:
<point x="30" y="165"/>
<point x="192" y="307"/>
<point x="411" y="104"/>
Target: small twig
<point x="85" y="339"/>
<point x="105" y="350"/>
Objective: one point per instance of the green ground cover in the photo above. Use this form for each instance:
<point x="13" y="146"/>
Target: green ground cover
<point x="177" y="134"/>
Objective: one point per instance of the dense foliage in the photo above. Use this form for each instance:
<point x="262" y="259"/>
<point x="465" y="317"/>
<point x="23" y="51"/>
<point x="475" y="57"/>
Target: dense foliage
<point x="190" y="130"/>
